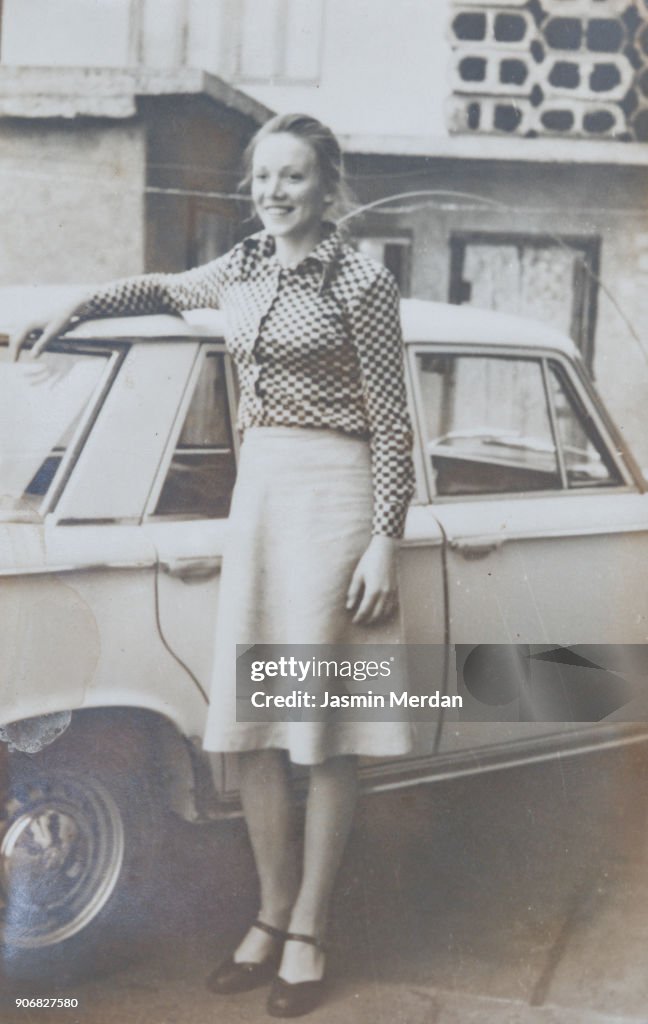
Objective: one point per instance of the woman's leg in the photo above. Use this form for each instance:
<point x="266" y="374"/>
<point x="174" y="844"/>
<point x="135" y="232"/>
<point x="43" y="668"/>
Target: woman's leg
<point x="269" y="814"/>
<point x="329" y="815"/>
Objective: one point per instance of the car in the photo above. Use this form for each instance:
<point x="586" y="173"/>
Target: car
<point x="524" y="541"/>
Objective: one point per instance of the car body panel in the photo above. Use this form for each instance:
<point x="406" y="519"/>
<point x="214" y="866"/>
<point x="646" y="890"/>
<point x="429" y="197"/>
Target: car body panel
<point x="510" y="582"/>
<point x="94" y="586"/>
<point x="422" y="321"/>
<point x="189" y="559"/>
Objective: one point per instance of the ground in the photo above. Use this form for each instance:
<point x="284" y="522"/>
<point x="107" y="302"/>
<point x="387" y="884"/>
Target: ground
<point x="520" y="897"/>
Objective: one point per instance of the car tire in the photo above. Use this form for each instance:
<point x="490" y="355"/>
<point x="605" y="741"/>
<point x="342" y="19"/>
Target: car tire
<point x="80" y="835"/>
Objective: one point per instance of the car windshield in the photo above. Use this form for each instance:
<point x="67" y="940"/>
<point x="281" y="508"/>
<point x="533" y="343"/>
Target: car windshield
<point x="42" y="406"/>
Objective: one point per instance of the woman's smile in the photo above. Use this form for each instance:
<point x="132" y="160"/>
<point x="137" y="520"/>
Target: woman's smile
<point x="278" y="211"/>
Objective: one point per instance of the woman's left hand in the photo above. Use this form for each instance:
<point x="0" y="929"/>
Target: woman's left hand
<point x="372" y="592"/>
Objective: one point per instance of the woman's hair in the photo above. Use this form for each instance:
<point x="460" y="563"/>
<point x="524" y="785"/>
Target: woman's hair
<point x="321" y="139"/>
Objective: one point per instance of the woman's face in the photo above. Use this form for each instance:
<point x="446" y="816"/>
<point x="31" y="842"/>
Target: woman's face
<point x="287" y="189"/>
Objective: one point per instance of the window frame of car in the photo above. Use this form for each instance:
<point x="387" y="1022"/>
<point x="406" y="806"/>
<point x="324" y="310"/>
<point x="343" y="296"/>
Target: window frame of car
<point x="612" y="436"/>
<point x="209" y="346"/>
<point x="577" y="383"/>
<point x="79" y="505"/>
<point x="114" y="353"/>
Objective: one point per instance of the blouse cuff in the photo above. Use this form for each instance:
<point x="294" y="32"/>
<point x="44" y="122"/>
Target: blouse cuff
<point x="389" y="520"/>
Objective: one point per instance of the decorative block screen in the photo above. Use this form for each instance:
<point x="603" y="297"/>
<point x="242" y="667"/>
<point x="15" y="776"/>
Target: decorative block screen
<point x="576" y="68"/>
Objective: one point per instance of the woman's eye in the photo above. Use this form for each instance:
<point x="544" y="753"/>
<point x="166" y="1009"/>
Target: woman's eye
<point x="295" y="177"/>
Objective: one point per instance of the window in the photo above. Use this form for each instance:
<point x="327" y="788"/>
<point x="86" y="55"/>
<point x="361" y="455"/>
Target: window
<point x="201" y="475"/>
<point x="506" y="425"/>
<point x="43" y="419"/>
<point x="550" y="279"/>
<point x="395" y="252"/>
<point x="279" y="40"/>
<point x="210" y="231"/>
<point x="488" y="426"/>
<point x="587" y="462"/>
<point x="550" y="68"/>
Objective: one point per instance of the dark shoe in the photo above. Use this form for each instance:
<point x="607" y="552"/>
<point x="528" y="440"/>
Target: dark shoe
<point x="293" y="999"/>
<point x="232" y="976"/>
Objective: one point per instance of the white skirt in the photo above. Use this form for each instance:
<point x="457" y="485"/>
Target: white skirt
<point x="299" y="522"/>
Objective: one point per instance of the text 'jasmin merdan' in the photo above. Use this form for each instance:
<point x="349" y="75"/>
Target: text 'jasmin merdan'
<point x="304" y="699"/>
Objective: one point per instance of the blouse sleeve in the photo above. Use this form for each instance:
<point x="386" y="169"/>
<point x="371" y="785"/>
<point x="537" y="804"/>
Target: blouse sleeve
<point x="159" y="293"/>
<point x="376" y="328"/>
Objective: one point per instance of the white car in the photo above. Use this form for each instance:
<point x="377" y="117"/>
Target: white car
<point x="529" y="527"/>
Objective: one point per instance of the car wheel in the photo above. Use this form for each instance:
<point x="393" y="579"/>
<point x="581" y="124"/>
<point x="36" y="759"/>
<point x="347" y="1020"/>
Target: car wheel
<point x="77" y="868"/>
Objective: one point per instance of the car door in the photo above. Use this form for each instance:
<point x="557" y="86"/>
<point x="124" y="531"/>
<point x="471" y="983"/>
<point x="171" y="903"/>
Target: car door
<point x="187" y="509"/>
<point x="80" y="588"/>
<point x="50" y="641"/>
<point x="545" y="528"/>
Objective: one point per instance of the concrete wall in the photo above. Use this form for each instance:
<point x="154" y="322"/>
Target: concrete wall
<point x="71" y="201"/>
<point x="607" y="202"/>
<point x="90" y="33"/>
<point x="113" y="33"/>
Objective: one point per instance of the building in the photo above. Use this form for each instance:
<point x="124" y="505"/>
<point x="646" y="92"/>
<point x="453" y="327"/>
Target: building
<point x="513" y="130"/>
<point x="110" y="166"/>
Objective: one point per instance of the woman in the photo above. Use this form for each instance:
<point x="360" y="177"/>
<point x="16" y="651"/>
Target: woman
<point x="324" y="481"/>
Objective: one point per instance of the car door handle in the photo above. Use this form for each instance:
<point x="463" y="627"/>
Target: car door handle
<point x="477" y="548"/>
<point x="192" y="569"/>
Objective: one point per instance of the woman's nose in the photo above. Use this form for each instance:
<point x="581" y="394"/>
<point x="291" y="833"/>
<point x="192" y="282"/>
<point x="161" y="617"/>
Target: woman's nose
<point x="276" y="187"/>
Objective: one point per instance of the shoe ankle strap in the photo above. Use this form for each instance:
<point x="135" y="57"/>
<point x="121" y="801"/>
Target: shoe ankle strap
<point x="310" y="939"/>
<point x="269" y="929"/>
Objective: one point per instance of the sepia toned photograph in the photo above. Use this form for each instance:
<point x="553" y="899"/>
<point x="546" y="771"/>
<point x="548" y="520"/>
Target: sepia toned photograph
<point x="323" y="498"/>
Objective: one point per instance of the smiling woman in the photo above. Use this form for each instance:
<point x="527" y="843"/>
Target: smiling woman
<point x="324" y="481"/>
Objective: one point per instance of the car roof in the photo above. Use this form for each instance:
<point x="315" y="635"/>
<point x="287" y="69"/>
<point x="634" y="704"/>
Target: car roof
<point x="422" y="321"/>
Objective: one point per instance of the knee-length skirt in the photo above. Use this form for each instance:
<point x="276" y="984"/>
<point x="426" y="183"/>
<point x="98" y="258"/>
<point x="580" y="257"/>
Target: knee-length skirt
<point x="299" y="522"/>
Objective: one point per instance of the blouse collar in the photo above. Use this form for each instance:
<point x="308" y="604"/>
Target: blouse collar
<point x="325" y="253"/>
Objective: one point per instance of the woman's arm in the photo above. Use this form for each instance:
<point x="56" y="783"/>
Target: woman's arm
<point x="376" y="331"/>
<point x="131" y="296"/>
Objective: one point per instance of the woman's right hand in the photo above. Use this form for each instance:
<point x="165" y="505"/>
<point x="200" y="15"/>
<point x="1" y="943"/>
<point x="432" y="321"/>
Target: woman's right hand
<point x="48" y="329"/>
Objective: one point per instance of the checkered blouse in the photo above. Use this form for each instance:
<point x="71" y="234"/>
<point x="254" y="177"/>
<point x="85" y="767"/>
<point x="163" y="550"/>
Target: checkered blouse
<point x="316" y="345"/>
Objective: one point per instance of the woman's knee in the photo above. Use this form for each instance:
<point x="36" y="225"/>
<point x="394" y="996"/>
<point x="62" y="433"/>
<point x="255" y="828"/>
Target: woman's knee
<point x="340" y="766"/>
<point x="263" y="764"/>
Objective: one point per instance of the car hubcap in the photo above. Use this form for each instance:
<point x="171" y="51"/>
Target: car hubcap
<point x="61" y="854"/>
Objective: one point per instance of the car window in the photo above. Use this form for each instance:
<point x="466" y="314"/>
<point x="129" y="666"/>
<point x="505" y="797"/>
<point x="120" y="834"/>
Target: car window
<point x="201" y="474"/>
<point x="587" y="462"/>
<point x="43" y="405"/>
<point x="488" y="425"/>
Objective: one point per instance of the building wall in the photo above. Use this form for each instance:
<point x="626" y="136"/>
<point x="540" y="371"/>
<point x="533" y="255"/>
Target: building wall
<point x="383" y="68"/>
<point x="114" y="33"/>
<point x="100" y="33"/>
<point x="71" y="201"/>
<point x="334" y="58"/>
<point x="418" y="69"/>
<point x="608" y="203"/>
